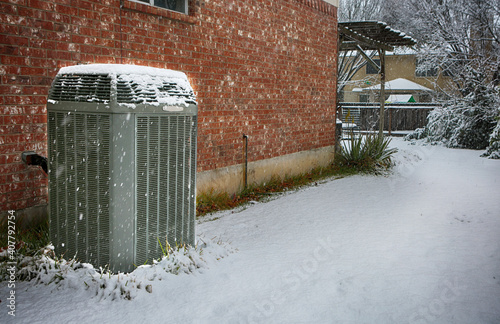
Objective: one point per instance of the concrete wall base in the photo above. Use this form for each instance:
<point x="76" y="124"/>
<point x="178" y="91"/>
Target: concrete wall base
<point x="230" y="179"/>
<point x="30" y="217"/>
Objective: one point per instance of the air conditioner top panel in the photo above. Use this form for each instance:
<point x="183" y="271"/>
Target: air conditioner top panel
<point x="119" y="88"/>
<point x="122" y="69"/>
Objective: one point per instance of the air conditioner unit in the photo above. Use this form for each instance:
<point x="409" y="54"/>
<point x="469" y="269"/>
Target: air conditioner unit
<point x="122" y="163"/>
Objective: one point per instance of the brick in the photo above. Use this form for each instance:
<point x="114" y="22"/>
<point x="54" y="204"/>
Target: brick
<point x="266" y="78"/>
<point x="6" y="28"/>
<point x="41" y="80"/>
<point x="13" y="40"/>
<point x="16" y="119"/>
<point x="10" y="89"/>
<point x="13" y="205"/>
<point x="60" y="21"/>
<point x="33" y="52"/>
<point x="10" y="128"/>
<point x="59" y="55"/>
<point x="35" y="90"/>
<point x="85" y="4"/>
<point x="40" y="119"/>
<point x="31" y="71"/>
<point x="40" y="137"/>
<point x="13" y="171"/>
<point x="43" y="5"/>
<point x="15" y="139"/>
<point x="88" y="14"/>
<point x="8" y="8"/>
<point x="16" y="196"/>
<point x="66" y="10"/>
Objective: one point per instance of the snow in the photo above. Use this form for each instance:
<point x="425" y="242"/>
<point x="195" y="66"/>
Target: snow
<point x="401" y="50"/>
<point x="145" y="85"/>
<point x="419" y="245"/>
<point x="122" y="69"/>
<point x="348" y="125"/>
<point x="400" y="99"/>
<point x="382" y="25"/>
<point x="398" y="84"/>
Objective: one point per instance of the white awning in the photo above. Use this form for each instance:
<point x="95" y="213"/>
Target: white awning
<point x="400" y="99"/>
<point x="399" y="84"/>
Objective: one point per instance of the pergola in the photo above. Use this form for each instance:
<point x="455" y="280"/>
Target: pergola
<point x="376" y="36"/>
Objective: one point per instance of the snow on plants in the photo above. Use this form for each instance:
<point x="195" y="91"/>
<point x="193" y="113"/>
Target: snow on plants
<point x="493" y="150"/>
<point x="61" y="274"/>
<point x="467" y="123"/>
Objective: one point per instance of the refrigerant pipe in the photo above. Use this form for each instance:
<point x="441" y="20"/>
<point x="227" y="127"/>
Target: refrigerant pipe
<point x="245" y="164"/>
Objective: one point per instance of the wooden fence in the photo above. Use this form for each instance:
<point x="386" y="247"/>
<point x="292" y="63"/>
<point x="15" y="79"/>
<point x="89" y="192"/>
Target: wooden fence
<point x="398" y="117"/>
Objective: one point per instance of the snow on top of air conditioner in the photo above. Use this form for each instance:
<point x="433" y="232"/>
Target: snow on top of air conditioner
<point x="154" y="90"/>
<point x="135" y="84"/>
<point x="122" y="69"/>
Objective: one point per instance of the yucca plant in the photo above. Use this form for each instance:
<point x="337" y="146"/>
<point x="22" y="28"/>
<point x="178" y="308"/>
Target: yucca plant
<point x="366" y="153"/>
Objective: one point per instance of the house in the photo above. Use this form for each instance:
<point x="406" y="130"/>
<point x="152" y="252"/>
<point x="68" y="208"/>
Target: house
<point x="266" y="69"/>
<point x="395" y="89"/>
<point x="404" y="77"/>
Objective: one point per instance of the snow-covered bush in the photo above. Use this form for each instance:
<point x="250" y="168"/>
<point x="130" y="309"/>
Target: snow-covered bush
<point x="461" y="124"/>
<point x="417" y="134"/>
<point x="466" y="123"/>
<point x="493" y="150"/>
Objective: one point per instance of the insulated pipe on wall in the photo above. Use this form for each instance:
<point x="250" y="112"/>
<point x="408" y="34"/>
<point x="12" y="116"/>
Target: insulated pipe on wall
<point x="31" y="158"/>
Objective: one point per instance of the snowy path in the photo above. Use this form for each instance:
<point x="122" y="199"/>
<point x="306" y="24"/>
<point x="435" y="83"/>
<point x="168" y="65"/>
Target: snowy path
<point x="419" y="246"/>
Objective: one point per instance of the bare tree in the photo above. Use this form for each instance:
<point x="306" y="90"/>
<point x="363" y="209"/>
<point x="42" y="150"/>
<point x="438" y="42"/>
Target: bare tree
<point x="461" y="37"/>
<point x="360" y="10"/>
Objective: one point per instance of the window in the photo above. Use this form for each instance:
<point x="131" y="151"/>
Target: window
<point x="425" y="70"/>
<point x="364" y="98"/>
<point x="370" y="69"/>
<point x="425" y="97"/>
<point x="341" y="96"/>
<point x="174" y="5"/>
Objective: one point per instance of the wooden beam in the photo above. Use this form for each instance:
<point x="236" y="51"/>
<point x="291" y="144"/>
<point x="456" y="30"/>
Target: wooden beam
<point x="360" y="39"/>
<point x="368" y="59"/>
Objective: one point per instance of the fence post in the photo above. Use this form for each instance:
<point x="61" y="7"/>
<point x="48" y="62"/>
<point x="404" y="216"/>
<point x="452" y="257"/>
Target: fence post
<point x="390" y="121"/>
<point x="381" y="55"/>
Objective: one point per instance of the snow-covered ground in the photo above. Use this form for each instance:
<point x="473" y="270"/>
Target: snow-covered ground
<point x="419" y="246"/>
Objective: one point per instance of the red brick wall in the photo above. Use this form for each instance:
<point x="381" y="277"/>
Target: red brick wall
<point x="260" y="67"/>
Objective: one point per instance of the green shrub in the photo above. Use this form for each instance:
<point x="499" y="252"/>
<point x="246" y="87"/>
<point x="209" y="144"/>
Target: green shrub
<point x="28" y="241"/>
<point x="366" y="153"/>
